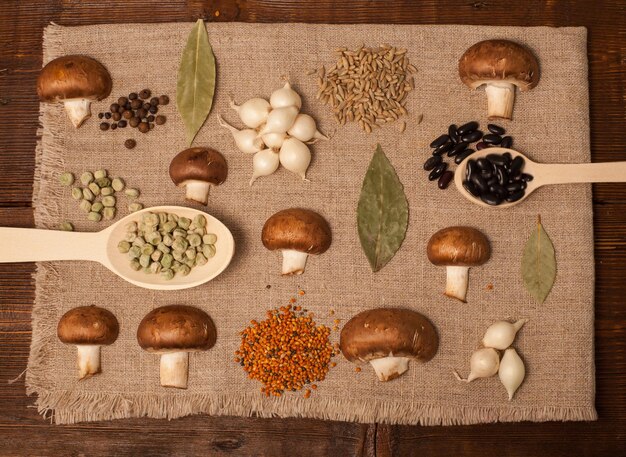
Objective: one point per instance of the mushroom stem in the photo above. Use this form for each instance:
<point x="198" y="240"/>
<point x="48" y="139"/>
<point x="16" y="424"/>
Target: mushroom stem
<point x="198" y="191"/>
<point x="174" y="369"/>
<point x="456" y="282"/>
<point x="500" y="98"/>
<point x="388" y="368"/>
<point x="78" y="110"/>
<point x="293" y="262"/>
<point x="88" y="360"/>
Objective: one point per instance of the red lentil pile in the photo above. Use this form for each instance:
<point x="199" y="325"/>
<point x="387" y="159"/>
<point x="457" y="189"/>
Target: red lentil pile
<point x="286" y="351"/>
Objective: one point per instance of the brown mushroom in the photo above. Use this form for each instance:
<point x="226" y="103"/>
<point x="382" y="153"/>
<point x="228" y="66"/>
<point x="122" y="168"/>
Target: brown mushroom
<point x="88" y="327"/>
<point x="388" y="338"/>
<point x="298" y="233"/>
<point x="501" y="65"/>
<point x="458" y="249"/>
<point x="173" y="332"/>
<point x="197" y="169"/>
<point x="76" y="81"/>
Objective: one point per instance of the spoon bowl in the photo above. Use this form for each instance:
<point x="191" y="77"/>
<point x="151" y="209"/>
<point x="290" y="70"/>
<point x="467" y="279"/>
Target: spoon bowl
<point x="544" y="174"/>
<point x="51" y="245"/>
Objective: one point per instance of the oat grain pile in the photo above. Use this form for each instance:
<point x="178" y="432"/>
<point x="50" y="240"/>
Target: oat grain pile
<point x="368" y="85"/>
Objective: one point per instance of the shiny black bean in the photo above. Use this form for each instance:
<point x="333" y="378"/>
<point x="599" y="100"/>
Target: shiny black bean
<point x="526" y="177"/>
<point x="493" y="128"/>
<point x="481" y="145"/>
<point x="487" y="174"/>
<point x="443" y="139"/>
<point x="491" y="181"/>
<point x="471" y="188"/>
<point x="479" y="182"/>
<point x="515" y="196"/>
<point x="463" y="155"/>
<point x="524" y="185"/>
<point x="484" y="164"/>
<point x="491" y="199"/>
<point x="472" y="136"/>
<point x="466" y="128"/>
<point x="496" y="159"/>
<point x="507" y="157"/>
<point x="502" y="175"/>
<point x="453" y="134"/>
<point x="444" y="179"/>
<point x="492" y="139"/>
<point x="443" y="148"/>
<point x="513" y="187"/>
<point x="506" y="142"/>
<point x="516" y="166"/>
<point x="498" y="190"/>
<point x="458" y="148"/>
<point x="437" y="171"/>
<point x="432" y="162"/>
<point x="471" y="168"/>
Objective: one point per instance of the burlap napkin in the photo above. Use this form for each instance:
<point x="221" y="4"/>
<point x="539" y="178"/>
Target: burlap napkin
<point x="551" y="125"/>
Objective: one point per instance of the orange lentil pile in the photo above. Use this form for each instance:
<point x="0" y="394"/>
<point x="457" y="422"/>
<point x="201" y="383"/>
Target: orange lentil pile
<point x="286" y="351"/>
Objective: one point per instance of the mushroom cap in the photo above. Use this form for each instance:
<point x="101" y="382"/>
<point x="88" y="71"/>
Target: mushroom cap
<point x="382" y="332"/>
<point x="176" y="327"/>
<point x="88" y="325"/>
<point x="198" y="164"/>
<point x="297" y="229"/>
<point x="458" y="246"/>
<point x="73" y="77"/>
<point x="499" y="60"/>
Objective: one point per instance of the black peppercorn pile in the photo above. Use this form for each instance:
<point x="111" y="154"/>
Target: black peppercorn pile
<point x="138" y="110"/>
<point x="456" y="144"/>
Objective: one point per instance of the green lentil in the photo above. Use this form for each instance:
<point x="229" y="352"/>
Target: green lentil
<point x="88" y="194"/>
<point x="168" y="240"/>
<point x="108" y="201"/>
<point x="86" y="178"/>
<point x="97" y="207"/>
<point x="155" y="267"/>
<point x="134" y="252"/>
<point x="162" y="218"/>
<point x="94" y="217"/>
<point x="184" y="270"/>
<point x="85" y="205"/>
<point x="194" y="240"/>
<point x="147" y="249"/>
<point x="167" y="274"/>
<point x="77" y="193"/>
<point x="169" y="226"/>
<point x="163" y="248"/>
<point x="176" y="265"/>
<point x="135" y="265"/>
<point x="178" y="255"/>
<point x="144" y="260"/>
<point x="139" y="241"/>
<point x="172" y="217"/>
<point x="105" y="191"/>
<point x="118" y="184"/>
<point x="66" y="179"/>
<point x="100" y="174"/>
<point x="166" y="260"/>
<point x="184" y="222"/>
<point x="154" y="238"/>
<point x="156" y="256"/>
<point x="177" y="233"/>
<point x="103" y="182"/>
<point x="180" y="244"/>
<point x="66" y="226"/>
<point x="201" y="259"/>
<point x="108" y="213"/>
<point x="131" y="236"/>
<point x="190" y="253"/>
<point x="131" y="227"/>
<point x="131" y="193"/>
<point x="123" y="246"/>
<point x="94" y="188"/>
<point x="209" y="238"/>
<point x="200" y="220"/>
<point x="134" y="207"/>
<point x="190" y="263"/>
<point x="208" y="250"/>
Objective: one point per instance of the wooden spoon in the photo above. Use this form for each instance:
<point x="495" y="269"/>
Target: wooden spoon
<point x="544" y="173"/>
<point x="35" y="245"/>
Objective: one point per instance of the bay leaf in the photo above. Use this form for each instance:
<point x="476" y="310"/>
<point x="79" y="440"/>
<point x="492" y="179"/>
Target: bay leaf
<point x="539" y="264"/>
<point x="195" y="85"/>
<point x="382" y="211"/>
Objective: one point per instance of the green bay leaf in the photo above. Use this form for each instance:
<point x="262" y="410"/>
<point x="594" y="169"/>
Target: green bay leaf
<point x="382" y="212"/>
<point x="196" y="81"/>
<point x="539" y="264"/>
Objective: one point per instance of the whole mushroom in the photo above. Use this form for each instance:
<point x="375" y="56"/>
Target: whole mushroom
<point x="197" y="169"/>
<point x="76" y="81"/>
<point x="298" y="233"/>
<point x="458" y="249"/>
<point x="388" y="338"/>
<point x="501" y="65"/>
<point x="173" y="332"/>
<point x="88" y="327"/>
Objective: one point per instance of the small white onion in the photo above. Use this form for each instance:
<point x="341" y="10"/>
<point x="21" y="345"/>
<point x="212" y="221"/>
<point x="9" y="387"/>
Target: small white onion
<point x="295" y="156"/>
<point x="512" y="371"/>
<point x="264" y="163"/>
<point x="274" y="140"/>
<point x="483" y="364"/>
<point x="247" y="140"/>
<point x="285" y="96"/>
<point x="280" y="120"/>
<point x="253" y="112"/>
<point x="304" y="128"/>
<point x="500" y="335"/>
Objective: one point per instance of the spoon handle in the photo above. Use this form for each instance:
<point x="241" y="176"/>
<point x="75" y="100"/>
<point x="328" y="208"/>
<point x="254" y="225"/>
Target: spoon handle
<point x="34" y="245"/>
<point x="583" y="172"/>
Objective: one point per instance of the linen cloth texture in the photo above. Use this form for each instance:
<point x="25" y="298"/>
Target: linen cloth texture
<point x="551" y="124"/>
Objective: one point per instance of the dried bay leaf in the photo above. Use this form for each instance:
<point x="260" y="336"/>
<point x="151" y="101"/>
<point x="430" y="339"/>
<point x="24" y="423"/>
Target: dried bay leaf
<point x="539" y="264"/>
<point x="382" y="212"/>
<point x="196" y="81"/>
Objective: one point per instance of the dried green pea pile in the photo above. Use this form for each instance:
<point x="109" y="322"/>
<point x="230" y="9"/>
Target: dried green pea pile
<point x="166" y="244"/>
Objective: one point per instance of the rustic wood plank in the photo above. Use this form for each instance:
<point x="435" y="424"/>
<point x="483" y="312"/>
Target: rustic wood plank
<point x="20" y="58"/>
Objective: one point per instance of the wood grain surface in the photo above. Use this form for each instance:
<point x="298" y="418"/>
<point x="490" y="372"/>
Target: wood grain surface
<point x="24" y="432"/>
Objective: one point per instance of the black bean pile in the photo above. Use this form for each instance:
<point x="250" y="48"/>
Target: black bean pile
<point x="138" y="110"/>
<point x="497" y="178"/>
<point x="455" y="144"/>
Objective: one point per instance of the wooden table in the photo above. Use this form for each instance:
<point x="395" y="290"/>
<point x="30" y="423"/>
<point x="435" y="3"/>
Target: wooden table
<point x="24" y="432"/>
